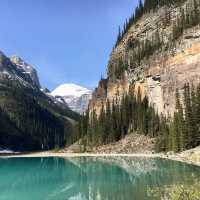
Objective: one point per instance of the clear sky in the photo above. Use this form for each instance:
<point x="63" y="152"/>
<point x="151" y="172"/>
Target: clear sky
<point x="65" y="40"/>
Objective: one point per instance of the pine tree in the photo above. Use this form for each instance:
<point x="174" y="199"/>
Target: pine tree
<point x="146" y="116"/>
<point x="181" y="123"/>
<point x="195" y="14"/>
<point x="188" y="115"/>
<point x="119" y="36"/>
<point x="162" y="139"/>
<point x="170" y="142"/>
<point x="176" y="133"/>
<point x="194" y="139"/>
<point x="198" y="114"/>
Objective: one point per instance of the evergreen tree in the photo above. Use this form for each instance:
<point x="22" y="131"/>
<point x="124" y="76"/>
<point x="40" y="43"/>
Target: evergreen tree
<point x="175" y="133"/>
<point x="198" y="115"/>
<point x="180" y="123"/>
<point x="119" y="36"/>
<point x="189" y="118"/>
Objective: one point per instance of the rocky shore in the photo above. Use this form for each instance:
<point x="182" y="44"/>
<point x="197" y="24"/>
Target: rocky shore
<point x="191" y="156"/>
<point x="133" y="145"/>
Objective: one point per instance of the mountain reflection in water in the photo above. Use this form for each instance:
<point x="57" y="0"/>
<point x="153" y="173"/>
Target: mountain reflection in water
<point x="118" y="178"/>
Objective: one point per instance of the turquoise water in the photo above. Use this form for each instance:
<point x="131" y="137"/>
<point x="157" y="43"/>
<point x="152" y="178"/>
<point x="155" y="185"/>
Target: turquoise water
<point x="88" y="178"/>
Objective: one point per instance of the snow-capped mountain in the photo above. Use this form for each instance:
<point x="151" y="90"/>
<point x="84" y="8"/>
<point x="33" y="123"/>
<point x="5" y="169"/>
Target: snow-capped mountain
<point x="26" y="69"/>
<point x="9" y="69"/>
<point x="66" y="95"/>
<point x="75" y="96"/>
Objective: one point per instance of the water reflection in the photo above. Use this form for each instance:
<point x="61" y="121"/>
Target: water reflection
<point x="88" y="178"/>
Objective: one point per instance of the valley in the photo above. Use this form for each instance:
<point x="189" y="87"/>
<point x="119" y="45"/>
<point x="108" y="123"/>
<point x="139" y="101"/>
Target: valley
<point x="136" y="135"/>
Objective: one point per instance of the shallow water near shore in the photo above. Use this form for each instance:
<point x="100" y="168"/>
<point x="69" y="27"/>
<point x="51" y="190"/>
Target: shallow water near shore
<point x="84" y="178"/>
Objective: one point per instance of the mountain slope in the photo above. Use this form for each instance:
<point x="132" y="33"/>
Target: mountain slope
<point x="153" y="79"/>
<point x="30" y="120"/>
<point x="158" y="52"/>
<point x="9" y="69"/>
<point x="75" y="96"/>
<point x="26" y="69"/>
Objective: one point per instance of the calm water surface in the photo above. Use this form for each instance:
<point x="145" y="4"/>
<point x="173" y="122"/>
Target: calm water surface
<point x="88" y="178"/>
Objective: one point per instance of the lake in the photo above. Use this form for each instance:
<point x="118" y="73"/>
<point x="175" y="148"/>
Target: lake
<point x="117" y="178"/>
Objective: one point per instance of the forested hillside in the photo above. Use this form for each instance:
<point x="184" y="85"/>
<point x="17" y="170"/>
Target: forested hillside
<point x="136" y="115"/>
<point x="29" y="119"/>
<point x="146" y="90"/>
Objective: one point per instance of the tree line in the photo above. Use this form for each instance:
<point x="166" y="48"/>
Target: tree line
<point x="142" y="8"/>
<point x="26" y="124"/>
<point x="135" y="114"/>
<point x="183" y="131"/>
<point x="118" y="118"/>
<point x="132" y="113"/>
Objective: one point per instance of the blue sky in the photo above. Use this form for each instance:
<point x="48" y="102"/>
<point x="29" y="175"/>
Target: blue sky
<point x="65" y="40"/>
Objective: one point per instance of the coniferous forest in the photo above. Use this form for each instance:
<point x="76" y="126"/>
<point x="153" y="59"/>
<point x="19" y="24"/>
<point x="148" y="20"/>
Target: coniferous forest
<point x="29" y="121"/>
<point x="134" y="114"/>
<point x="118" y="119"/>
<point x="46" y="123"/>
<point x="131" y="113"/>
<point x="183" y="131"/>
<point x="135" y="136"/>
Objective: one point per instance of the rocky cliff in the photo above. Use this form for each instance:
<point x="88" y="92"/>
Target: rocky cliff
<point x="26" y="69"/>
<point x="169" y="65"/>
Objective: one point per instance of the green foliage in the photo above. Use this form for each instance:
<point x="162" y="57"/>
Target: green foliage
<point x="189" y="17"/>
<point x="134" y="114"/>
<point x="119" y="69"/>
<point x="177" y="192"/>
<point x="144" y="49"/>
<point x="184" y="129"/>
<point x="29" y="120"/>
<point x="117" y="119"/>
<point x="139" y="50"/>
<point x="141" y="9"/>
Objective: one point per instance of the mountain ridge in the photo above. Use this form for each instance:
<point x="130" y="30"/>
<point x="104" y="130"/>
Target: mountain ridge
<point x="152" y="34"/>
<point x="29" y="118"/>
<point x="153" y="79"/>
<point x="26" y="68"/>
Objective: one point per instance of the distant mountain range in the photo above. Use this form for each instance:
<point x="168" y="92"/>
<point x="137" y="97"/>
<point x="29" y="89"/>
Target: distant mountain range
<point x="16" y="68"/>
<point x="75" y="96"/>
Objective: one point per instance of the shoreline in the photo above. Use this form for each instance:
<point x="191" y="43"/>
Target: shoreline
<point x="179" y="159"/>
<point x="73" y="155"/>
<point x="175" y="157"/>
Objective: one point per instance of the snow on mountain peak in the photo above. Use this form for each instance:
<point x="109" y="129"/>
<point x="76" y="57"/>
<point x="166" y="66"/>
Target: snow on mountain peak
<point x="70" y="89"/>
<point x="26" y="69"/>
<point x="75" y="96"/>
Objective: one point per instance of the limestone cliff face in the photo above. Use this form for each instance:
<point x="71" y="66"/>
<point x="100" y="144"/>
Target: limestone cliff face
<point x="158" y="76"/>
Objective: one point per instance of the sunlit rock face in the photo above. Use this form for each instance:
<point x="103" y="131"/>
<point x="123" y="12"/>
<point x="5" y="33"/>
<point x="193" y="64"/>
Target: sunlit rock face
<point x="158" y="77"/>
